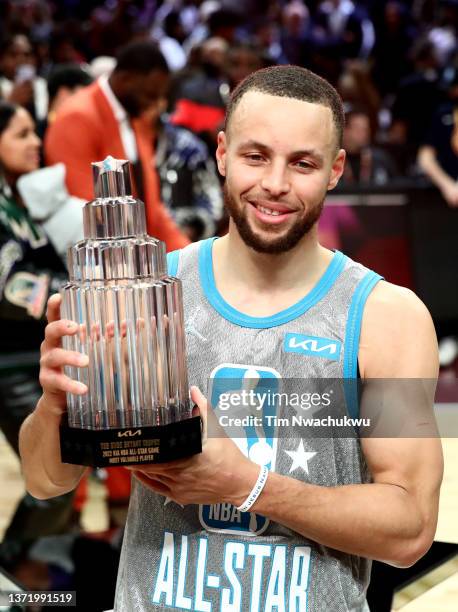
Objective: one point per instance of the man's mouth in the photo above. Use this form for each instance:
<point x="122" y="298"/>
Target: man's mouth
<point x="268" y="211"/>
<point x="271" y="211"/>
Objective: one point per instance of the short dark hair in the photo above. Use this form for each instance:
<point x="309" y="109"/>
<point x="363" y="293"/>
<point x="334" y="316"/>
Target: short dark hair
<point x="67" y="75"/>
<point x="7" y="112"/>
<point x="141" y="57"/>
<point x="291" y="82"/>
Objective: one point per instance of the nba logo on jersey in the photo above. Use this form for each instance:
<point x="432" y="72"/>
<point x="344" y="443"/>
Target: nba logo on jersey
<point x="231" y="385"/>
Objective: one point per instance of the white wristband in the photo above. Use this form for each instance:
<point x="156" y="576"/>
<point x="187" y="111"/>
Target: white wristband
<point x="256" y="491"/>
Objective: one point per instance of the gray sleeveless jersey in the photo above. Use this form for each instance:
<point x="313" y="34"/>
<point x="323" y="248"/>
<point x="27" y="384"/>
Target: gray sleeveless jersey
<point x="212" y="558"/>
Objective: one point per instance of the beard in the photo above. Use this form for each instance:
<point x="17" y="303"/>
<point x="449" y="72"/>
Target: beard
<point x="278" y="242"/>
<point x="131" y="105"/>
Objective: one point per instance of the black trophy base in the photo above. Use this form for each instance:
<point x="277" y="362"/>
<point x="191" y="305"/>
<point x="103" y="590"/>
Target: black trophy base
<point x="114" y="447"/>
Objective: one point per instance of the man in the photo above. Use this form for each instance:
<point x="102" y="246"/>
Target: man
<point x="190" y="186"/>
<point x="197" y="93"/>
<point x="64" y="81"/>
<point x="411" y="120"/>
<point x="365" y="162"/>
<point x="344" y="26"/>
<point x="241" y="60"/>
<point x="19" y="83"/>
<point x="438" y="159"/>
<point x="267" y="303"/>
<point x="106" y="119"/>
<point x="438" y="153"/>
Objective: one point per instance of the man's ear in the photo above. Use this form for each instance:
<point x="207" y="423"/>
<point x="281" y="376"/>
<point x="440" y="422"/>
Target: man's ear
<point x="221" y="153"/>
<point x="337" y="169"/>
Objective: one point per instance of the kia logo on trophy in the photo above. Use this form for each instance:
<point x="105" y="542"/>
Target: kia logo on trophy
<point x="130" y="324"/>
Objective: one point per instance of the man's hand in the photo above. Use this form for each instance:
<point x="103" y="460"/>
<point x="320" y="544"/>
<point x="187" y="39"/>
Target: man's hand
<point x="53" y="358"/>
<point x="450" y="193"/>
<point x="427" y="160"/>
<point x="221" y="473"/>
<point x="39" y="441"/>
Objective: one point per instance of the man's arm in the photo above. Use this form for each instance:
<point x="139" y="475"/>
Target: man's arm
<point x="391" y="519"/>
<point x="446" y="184"/>
<point x="39" y="443"/>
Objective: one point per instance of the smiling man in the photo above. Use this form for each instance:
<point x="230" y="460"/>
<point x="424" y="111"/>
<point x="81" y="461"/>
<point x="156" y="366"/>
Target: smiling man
<point x="271" y="211"/>
<point x="272" y="518"/>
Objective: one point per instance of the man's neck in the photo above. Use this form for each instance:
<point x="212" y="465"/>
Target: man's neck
<point x="296" y="271"/>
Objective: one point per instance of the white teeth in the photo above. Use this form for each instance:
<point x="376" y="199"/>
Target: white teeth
<point x="267" y="211"/>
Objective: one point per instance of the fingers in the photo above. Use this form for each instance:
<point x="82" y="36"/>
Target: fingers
<point x="58" y="358"/>
<point x="54" y="358"/>
<point x="57" y="329"/>
<point x="167" y="470"/>
<point x="95" y="332"/>
<point x="53" y="315"/>
<point x="151" y="483"/>
<point x="199" y="398"/>
<point x="56" y="382"/>
<point x="110" y="329"/>
<point x="53" y="308"/>
<point x="210" y="424"/>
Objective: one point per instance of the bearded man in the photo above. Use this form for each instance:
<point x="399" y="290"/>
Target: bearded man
<point x="275" y="518"/>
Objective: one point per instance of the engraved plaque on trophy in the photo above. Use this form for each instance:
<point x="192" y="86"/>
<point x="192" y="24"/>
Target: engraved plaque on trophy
<point x="130" y="324"/>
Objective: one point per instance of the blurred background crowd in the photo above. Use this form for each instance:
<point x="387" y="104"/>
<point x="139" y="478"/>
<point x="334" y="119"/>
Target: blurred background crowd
<point x="394" y="64"/>
<point x="149" y="81"/>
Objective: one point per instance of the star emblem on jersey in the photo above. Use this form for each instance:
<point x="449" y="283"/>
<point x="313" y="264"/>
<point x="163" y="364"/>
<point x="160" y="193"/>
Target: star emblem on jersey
<point x="300" y="458"/>
<point x="168" y="500"/>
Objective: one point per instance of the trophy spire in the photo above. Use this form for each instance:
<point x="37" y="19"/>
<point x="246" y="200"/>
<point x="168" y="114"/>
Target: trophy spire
<point x="114" y="213"/>
<point x="112" y="178"/>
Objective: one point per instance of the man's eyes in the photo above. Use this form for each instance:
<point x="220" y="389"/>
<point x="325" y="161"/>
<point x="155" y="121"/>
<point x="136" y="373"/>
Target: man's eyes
<point x="300" y="164"/>
<point x="254" y="156"/>
<point x="303" y="165"/>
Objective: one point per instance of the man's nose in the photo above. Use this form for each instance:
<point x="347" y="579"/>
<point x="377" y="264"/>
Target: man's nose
<point x="275" y="179"/>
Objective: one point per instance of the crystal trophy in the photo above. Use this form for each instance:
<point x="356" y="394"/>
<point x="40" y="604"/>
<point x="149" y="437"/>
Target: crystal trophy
<point x="130" y="324"/>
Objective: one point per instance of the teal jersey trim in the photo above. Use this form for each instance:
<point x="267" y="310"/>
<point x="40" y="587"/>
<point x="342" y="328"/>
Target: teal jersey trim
<point x="172" y="262"/>
<point x="233" y="315"/>
<point x="352" y="336"/>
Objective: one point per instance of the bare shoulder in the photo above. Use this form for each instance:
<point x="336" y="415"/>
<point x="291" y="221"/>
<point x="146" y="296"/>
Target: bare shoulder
<point x="387" y="299"/>
<point x="397" y="335"/>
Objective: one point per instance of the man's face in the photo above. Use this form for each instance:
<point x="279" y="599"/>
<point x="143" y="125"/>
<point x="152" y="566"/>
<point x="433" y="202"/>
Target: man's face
<point x="279" y="157"/>
<point x="240" y="63"/>
<point x="18" y="53"/>
<point x="143" y="91"/>
<point x="357" y="133"/>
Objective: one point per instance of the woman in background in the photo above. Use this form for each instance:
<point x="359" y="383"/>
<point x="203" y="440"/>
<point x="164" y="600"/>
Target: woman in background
<point x="30" y="270"/>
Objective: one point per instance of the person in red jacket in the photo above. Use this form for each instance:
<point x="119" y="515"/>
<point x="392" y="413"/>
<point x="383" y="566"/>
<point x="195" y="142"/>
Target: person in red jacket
<point x="106" y="118"/>
<point x="110" y="117"/>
